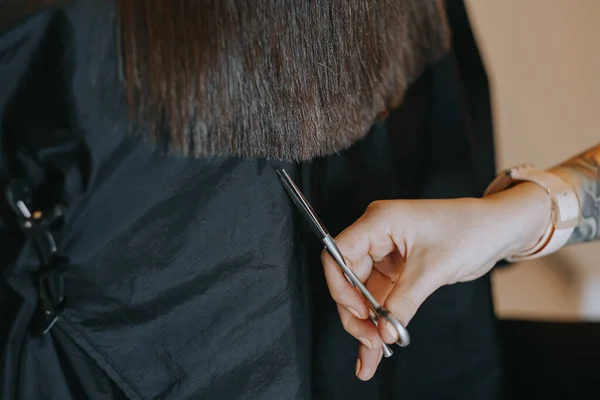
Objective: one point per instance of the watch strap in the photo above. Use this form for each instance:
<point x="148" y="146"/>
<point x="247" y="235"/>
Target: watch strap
<point x="565" y="208"/>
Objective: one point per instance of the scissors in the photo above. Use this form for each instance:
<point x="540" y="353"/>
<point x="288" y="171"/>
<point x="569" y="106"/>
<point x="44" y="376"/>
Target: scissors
<point x="377" y="311"/>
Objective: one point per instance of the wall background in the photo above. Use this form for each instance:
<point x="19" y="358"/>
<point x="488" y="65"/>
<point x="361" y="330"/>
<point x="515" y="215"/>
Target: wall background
<point x="543" y="61"/>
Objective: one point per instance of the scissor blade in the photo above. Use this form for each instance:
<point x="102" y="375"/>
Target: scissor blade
<point x="302" y="204"/>
<point x="310" y="215"/>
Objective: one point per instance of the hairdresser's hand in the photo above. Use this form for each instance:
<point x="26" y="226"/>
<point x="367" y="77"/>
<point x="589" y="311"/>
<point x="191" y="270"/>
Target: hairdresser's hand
<point x="405" y="250"/>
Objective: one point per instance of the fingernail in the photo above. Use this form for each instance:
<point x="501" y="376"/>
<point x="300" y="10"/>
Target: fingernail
<point x="392" y="330"/>
<point x="366" y="342"/>
<point x="354" y="312"/>
<point x="357" y="367"/>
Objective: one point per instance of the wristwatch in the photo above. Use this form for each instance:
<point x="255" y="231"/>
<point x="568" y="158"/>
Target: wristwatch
<point x="565" y="212"/>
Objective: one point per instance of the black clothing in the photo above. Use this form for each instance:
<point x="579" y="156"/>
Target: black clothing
<point x="191" y="279"/>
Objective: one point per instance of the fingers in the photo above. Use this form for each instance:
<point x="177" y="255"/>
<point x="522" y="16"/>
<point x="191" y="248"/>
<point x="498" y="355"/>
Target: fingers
<point x="383" y="276"/>
<point x="391" y="267"/>
<point x="403" y="301"/>
<point x="367" y="363"/>
<point x="362" y="329"/>
<point x="362" y="244"/>
<point x="342" y="291"/>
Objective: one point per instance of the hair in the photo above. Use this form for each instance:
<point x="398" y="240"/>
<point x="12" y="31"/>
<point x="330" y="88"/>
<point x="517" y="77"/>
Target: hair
<point x="285" y="79"/>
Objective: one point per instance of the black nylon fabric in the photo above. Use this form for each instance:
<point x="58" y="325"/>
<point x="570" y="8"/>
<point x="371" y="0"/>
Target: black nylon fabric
<point x="453" y="353"/>
<point x="195" y="279"/>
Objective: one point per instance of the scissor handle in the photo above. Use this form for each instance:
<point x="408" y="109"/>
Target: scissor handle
<point x="379" y="310"/>
<point x="403" y="335"/>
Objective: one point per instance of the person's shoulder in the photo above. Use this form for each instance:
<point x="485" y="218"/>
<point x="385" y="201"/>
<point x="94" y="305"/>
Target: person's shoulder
<point x="55" y="39"/>
<point x="24" y="27"/>
<point x="33" y="14"/>
<point x="15" y="14"/>
<point x="28" y="25"/>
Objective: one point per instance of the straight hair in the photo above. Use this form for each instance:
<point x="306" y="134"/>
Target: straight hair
<point x="285" y="79"/>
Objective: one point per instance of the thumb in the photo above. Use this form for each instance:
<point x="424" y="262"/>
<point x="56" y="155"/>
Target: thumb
<point x="403" y="301"/>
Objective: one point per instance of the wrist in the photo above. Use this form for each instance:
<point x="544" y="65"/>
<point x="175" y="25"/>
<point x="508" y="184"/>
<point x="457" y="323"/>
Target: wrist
<point x="569" y="176"/>
<point x="522" y="214"/>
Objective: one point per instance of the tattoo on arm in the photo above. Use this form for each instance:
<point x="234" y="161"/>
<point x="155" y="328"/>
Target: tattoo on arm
<point x="586" y="168"/>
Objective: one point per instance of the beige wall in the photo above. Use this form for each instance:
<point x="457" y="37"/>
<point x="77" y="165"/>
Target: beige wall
<point x="543" y="58"/>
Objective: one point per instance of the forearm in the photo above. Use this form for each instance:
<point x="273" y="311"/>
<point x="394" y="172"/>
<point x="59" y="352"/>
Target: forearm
<point x="522" y="212"/>
<point x="583" y="172"/>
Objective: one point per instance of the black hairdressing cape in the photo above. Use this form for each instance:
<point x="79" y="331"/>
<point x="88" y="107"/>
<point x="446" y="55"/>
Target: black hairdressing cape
<point x="194" y="279"/>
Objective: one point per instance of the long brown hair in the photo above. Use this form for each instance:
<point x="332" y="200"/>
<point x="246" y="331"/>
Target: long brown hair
<point x="288" y="79"/>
